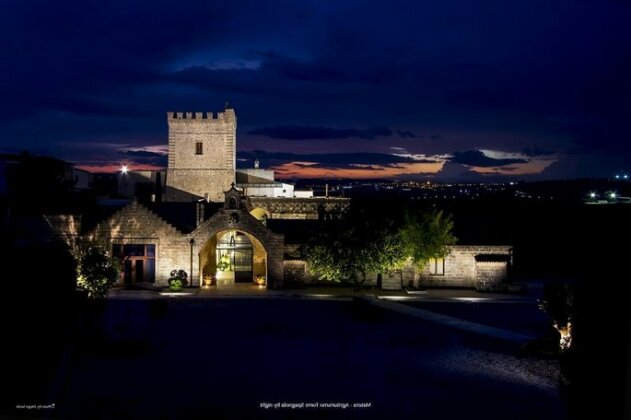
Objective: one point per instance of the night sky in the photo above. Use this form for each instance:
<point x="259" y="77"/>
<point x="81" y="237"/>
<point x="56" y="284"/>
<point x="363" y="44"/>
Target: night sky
<point x="445" y="90"/>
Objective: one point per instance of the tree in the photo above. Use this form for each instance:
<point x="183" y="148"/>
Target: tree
<point x="96" y="270"/>
<point x="367" y="243"/>
<point x="39" y="184"/>
<point x="350" y="251"/>
<point x="426" y="235"/>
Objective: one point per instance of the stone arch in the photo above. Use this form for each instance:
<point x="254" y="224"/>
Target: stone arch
<point x="241" y="220"/>
<point x="260" y="213"/>
<point x="208" y="256"/>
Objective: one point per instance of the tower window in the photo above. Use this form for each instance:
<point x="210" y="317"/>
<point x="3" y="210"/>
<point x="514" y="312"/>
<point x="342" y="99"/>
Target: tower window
<point x="199" y="149"/>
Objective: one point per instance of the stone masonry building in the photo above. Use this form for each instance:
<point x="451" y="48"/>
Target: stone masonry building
<point x="202" y="155"/>
<point x="212" y="228"/>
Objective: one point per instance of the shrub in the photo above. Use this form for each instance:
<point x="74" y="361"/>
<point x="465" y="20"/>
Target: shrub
<point x="96" y="271"/>
<point x="178" y="280"/>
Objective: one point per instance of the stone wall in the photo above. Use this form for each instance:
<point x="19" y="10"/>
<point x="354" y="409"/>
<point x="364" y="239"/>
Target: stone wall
<point x="206" y="174"/>
<point x="461" y="271"/>
<point x="66" y="226"/>
<point x="313" y="208"/>
<point x="490" y="275"/>
<point x="296" y="271"/>
<point x="460" y="266"/>
<point x="391" y="280"/>
<point x="240" y="219"/>
<point x="135" y="224"/>
<point x="192" y="184"/>
<point x="252" y="176"/>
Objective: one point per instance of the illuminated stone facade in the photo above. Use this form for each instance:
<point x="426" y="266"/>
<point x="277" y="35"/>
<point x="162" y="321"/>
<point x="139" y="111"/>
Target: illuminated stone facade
<point x="194" y="251"/>
<point x="313" y="208"/>
<point x="202" y="155"/>
<point x="201" y="171"/>
<point x="484" y="268"/>
<point x="463" y="267"/>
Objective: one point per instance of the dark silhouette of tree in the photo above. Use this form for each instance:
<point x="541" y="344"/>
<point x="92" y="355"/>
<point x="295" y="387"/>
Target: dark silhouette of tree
<point x="39" y="184"/>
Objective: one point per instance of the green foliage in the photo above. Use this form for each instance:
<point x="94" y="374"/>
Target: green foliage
<point x="175" y="284"/>
<point x="369" y="243"/>
<point x="224" y="262"/>
<point x="426" y="235"/>
<point x="96" y="270"/>
<point x="178" y="280"/>
<point x="362" y="246"/>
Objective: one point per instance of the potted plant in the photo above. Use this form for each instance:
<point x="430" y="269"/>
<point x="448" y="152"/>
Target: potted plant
<point x="260" y="280"/>
<point x="177" y="280"/>
<point x="224" y="263"/>
<point x="208" y="280"/>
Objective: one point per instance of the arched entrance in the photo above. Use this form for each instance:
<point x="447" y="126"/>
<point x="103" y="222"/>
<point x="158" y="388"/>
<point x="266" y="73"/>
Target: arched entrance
<point x="233" y="256"/>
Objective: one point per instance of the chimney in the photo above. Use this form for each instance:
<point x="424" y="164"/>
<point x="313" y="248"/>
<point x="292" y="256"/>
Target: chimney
<point x="326" y="190"/>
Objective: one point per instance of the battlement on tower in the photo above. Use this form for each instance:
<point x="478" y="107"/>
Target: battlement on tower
<point x="227" y="116"/>
<point x="202" y="154"/>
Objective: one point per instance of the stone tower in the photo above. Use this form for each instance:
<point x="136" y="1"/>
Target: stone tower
<point x="202" y="155"/>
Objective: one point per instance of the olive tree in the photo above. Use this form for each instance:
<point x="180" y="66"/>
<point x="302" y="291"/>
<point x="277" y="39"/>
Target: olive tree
<point x="349" y="252"/>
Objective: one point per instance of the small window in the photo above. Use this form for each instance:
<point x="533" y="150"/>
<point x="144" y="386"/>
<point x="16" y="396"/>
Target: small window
<point x="199" y="148"/>
<point x="436" y="266"/>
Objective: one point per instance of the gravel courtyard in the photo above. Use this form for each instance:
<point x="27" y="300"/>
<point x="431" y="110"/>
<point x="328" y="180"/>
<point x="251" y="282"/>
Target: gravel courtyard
<point x="235" y="358"/>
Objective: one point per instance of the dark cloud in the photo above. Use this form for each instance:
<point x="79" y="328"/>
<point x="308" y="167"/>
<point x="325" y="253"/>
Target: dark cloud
<point x="451" y="172"/>
<point x="477" y="158"/>
<point x="145" y="157"/>
<point x="141" y="153"/>
<point x="294" y="69"/>
<point x="406" y="134"/>
<point x="536" y="151"/>
<point x="325" y="160"/>
<point x="320" y="133"/>
<point x="96" y="71"/>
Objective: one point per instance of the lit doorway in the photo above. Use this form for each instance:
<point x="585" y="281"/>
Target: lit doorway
<point x="235" y="255"/>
